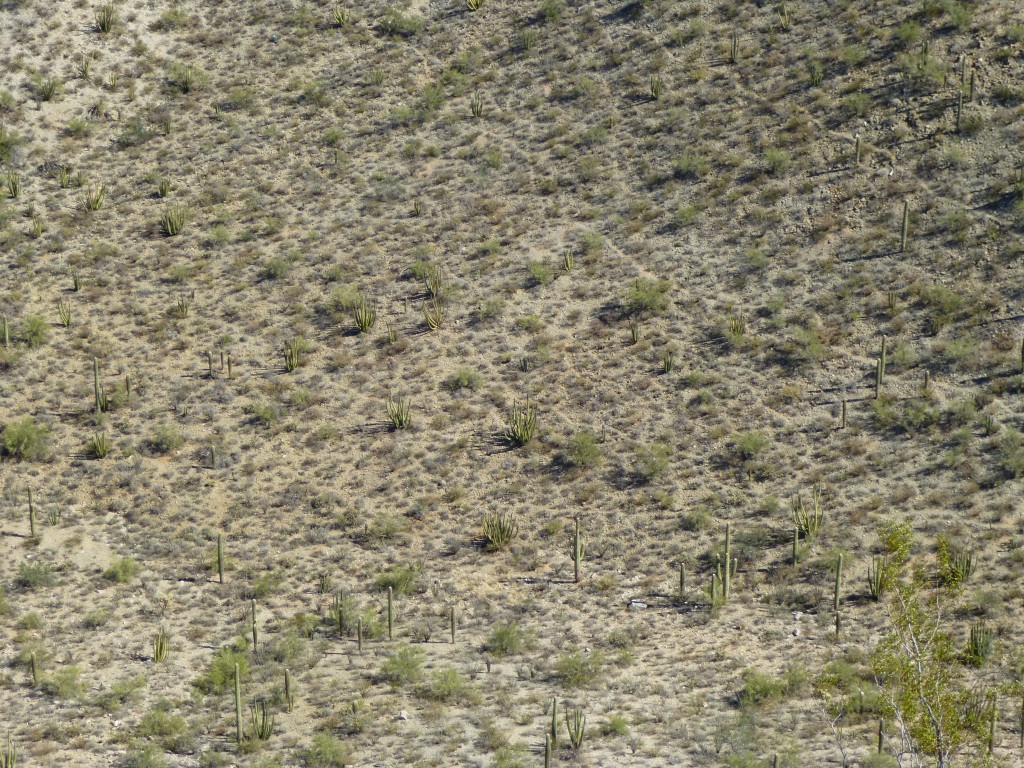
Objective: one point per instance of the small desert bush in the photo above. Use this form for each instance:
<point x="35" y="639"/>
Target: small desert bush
<point x="652" y="460"/>
<point x="34" y="331"/>
<point x="326" y="751"/>
<point x="145" y="756"/>
<point x="507" y="640"/>
<point x="63" y="683"/>
<point x="577" y="667"/>
<point x="647" y="296"/>
<point x="463" y="378"/>
<point x="170" y="730"/>
<point x="403" y="666"/>
<point x="121" y="570"/>
<point x="120" y="693"/>
<point x="165" y="439"/>
<point x="445" y="684"/>
<point x="220" y="677"/>
<point x="34" y="576"/>
<point x="398" y="24"/>
<point x="403" y="579"/>
<point x="760" y="688"/>
<point x="584" y="450"/>
<point x="25" y="439"/>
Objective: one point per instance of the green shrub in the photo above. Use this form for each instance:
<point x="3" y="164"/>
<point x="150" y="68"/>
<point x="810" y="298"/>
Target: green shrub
<point x="691" y="165"/>
<point x="540" y="273"/>
<point x="403" y="666"/>
<point x="760" y="688"/>
<point x="551" y="10"/>
<point x="220" y="677"/>
<point x="507" y="640"/>
<point x="584" y="450"/>
<point x="170" y="730"/>
<point x="145" y="756"/>
<point x="777" y="160"/>
<point x="398" y="24"/>
<point x="34" y="331"/>
<point x="121" y="570"/>
<point x="120" y="693"/>
<point x="463" y="378"/>
<point x="652" y="460"/>
<point x="165" y="439"/>
<point x="617" y="725"/>
<point x="64" y="683"/>
<point x="34" y="576"/>
<point x="749" y="445"/>
<point x="403" y="579"/>
<point x="446" y="684"/>
<point x="647" y="296"/>
<point x="346" y="298"/>
<point x="263" y="586"/>
<point x="25" y="440"/>
<point x="578" y="668"/>
<point x="326" y="751"/>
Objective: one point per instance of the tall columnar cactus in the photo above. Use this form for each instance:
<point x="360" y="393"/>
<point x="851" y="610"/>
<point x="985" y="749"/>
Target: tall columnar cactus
<point x="220" y="557"/>
<point x="255" y="628"/>
<point x="289" y="694"/>
<point x="391" y="613"/>
<point x="9" y="755"/>
<point x="839" y="581"/>
<point x="885" y="343"/>
<point x="102" y="403"/>
<point x="578" y="551"/>
<point x="238" y="706"/>
<point x="905" y="226"/>
<point x="553" y="731"/>
<point x="727" y="576"/>
<point x="359" y="634"/>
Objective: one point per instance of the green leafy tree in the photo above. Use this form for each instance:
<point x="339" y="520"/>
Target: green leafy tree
<point x="934" y="709"/>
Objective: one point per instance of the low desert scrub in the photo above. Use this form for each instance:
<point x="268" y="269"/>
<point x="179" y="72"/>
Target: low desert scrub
<point x="508" y="640"/>
<point x="25" y="439"/>
<point x="403" y="666"/>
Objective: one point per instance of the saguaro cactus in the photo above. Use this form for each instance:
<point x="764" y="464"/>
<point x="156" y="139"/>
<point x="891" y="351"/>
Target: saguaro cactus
<point x="238" y="706"/>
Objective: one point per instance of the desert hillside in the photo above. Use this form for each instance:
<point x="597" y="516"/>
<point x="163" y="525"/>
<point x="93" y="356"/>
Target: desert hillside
<point x="659" y="359"/>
